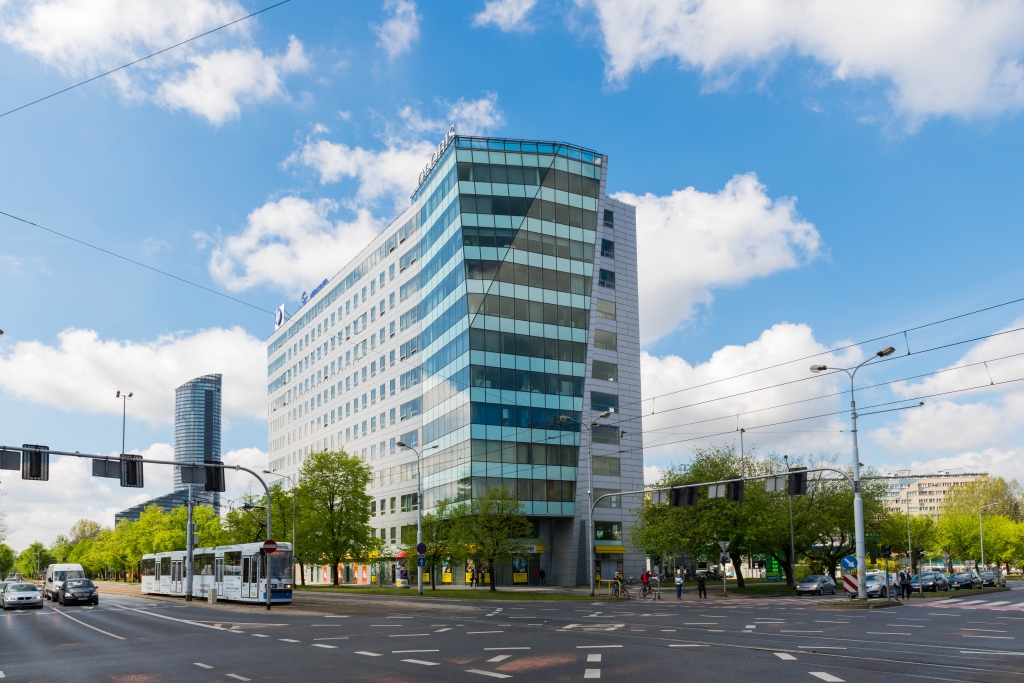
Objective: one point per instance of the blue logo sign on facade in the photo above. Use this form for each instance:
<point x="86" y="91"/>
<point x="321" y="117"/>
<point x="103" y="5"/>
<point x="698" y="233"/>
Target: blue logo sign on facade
<point x="307" y="297"/>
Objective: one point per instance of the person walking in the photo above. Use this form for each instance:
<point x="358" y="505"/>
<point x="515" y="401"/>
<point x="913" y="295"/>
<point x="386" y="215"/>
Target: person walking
<point x="702" y="589"/>
<point x="536" y="577"/>
<point x="905" y="583"/>
<point x="543" y="578"/>
<point x="679" y="585"/>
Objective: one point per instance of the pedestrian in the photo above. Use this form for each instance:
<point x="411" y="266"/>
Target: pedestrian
<point x="536" y="577"/>
<point x="905" y="583"/>
<point x="702" y="589"/>
<point x="679" y="585"/>
<point x="543" y="578"/>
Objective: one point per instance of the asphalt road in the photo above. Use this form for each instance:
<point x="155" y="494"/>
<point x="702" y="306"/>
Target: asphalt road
<point x="135" y="640"/>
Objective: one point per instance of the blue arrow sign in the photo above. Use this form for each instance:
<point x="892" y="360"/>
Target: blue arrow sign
<point x="849" y="563"/>
<point x="421" y="561"/>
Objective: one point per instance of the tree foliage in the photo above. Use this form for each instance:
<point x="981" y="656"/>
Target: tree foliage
<point x="494" y="527"/>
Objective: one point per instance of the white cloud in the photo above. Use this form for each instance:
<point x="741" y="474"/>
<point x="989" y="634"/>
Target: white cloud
<point x="402" y="28"/>
<point x="939" y="57"/>
<point x="218" y="84"/>
<point x="691" y="426"/>
<point x="38" y="511"/>
<point x="691" y="242"/>
<point x="652" y="473"/>
<point x="83" y="372"/>
<point x="290" y="244"/>
<point x="82" y="38"/>
<point x="476" y="117"/>
<point x="507" y="15"/>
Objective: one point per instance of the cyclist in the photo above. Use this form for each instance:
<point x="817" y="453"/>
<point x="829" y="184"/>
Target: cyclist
<point x="645" y="583"/>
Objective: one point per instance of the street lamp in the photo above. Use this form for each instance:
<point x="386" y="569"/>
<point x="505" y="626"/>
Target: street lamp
<point x="419" y="514"/>
<point x="858" y="503"/>
<point x="295" y="544"/>
<point x="590" y="490"/>
<point x="981" y="529"/>
<point x="124" y="413"/>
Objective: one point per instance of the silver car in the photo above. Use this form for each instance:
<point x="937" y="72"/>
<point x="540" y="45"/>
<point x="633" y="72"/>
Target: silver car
<point x="819" y="584"/>
<point x="18" y="595"/>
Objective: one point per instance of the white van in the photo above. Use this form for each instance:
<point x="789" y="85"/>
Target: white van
<point x="57" y="574"/>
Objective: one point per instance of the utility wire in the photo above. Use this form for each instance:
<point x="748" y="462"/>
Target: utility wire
<point x="137" y="263"/>
<point x="142" y="59"/>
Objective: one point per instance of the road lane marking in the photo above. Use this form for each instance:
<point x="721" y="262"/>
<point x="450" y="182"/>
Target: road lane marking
<point x="499" y="658"/>
<point x="368" y="654"/>
<point x="442" y="630"/>
<point x="984" y="630"/>
<point x="965" y="635"/>
<point x="594" y="657"/>
<point x="398" y="617"/>
<point x="260" y="635"/>
<point x="106" y="633"/>
<point x="589" y="647"/>
<point x="236" y="676"/>
<point x="491" y="649"/>
<point x="420" y="661"/>
<point x="825" y="676"/>
<point x="821" y="647"/>
<point x="782" y="630"/>
<point x="592" y="673"/>
<point x="404" y="652"/>
<point x="907" y="625"/>
<point x="477" y="632"/>
<point x="407" y="635"/>
<point x="885" y="633"/>
<point x="337" y="616"/>
<point x="334" y="638"/>
<point x="785" y="656"/>
<point x="492" y="674"/>
<point x="989" y="652"/>
<point x="689" y="645"/>
<point x="289" y="640"/>
<point x="205" y="666"/>
<point x="325" y="646"/>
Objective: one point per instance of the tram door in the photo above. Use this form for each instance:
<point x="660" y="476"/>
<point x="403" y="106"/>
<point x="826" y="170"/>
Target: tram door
<point x="176" y="576"/>
<point x="247" y="589"/>
<point x="218" y="576"/>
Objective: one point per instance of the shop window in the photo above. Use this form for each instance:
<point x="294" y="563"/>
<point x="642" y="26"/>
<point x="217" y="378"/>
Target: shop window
<point x="607" y="531"/>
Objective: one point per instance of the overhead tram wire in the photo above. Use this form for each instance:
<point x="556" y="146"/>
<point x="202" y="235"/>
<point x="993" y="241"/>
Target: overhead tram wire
<point x="142" y="59"/>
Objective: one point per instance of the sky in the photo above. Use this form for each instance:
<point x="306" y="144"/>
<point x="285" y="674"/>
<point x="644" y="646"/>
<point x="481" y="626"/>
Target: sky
<point x="808" y="176"/>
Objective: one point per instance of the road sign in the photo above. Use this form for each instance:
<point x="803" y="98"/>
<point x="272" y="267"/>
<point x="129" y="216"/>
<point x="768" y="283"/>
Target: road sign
<point x="269" y="546"/>
<point x="723" y="558"/>
<point x="849" y="563"/>
<point x="850" y="582"/>
<point x="724" y="545"/>
<point x="421" y="548"/>
<point x="421" y="561"/>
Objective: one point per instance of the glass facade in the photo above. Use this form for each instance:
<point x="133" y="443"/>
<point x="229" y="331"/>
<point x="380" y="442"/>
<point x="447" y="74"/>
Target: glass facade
<point x="197" y="419"/>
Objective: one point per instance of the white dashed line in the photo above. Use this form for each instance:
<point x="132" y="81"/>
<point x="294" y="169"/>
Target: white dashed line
<point x="588" y="647"/>
<point x="200" y="664"/>
<point x="492" y="674"/>
<point x="237" y="677"/>
<point x="499" y="658"/>
<point x="442" y="630"/>
<point x="368" y="654"/>
<point x="259" y="635"/>
<point x="420" y="661"/>
<point x="325" y="646"/>
<point x="405" y="652"/>
<point x="490" y="649"/>
<point x="785" y="656"/>
<point x="288" y="640"/>
<point x="594" y="657"/>
<point x="592" y="673"/>
<point x="825" y="676"/>
<point x="469" y="633"/>
<point x="688" y="645"/>
<point x="407" y="635"/>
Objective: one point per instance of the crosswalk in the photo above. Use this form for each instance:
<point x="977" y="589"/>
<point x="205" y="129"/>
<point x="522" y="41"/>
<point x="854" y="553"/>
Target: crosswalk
<point x="957" y="603"/>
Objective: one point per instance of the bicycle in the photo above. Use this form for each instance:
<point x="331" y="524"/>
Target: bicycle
<point x="647" y="591"/>
<point x="623" y="593"/>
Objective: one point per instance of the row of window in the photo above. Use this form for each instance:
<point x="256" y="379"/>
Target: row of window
<point x="524" y="345"/>
<point x="510" y="452"/>
<point x="508" y="379"/>
<point x="528" y="276"/>
<point x="522" y="416"/>
<point x="529" y="311"/>
<point x="520" y="175"/>
<point x="553" y="212"/>
<point x="528" y="240"/>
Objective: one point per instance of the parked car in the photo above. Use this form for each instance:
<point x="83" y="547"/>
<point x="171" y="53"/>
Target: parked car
<point x="17" y="595"/>
<point x="963" y="580"/>
<point x="78" y="590"/>
<point x="817" y="583"/>
<point x="933" y="581"/>
<point x="57" y="574"/>
<point x="876" y="585"/>
<point x="989" y="578"/>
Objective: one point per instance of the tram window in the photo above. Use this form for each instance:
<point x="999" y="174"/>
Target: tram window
<point x="233" y="564"/>
<point x="203" y="564"/>
<point x="149" y="567"/>
<point x="165" y="566"/>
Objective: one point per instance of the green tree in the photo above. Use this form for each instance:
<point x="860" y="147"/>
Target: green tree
<point x="332" y="491"/>
<point x="969" y="498"/>
<point x="84" y="529"/>
<point x="7" y="560"/>
<point x="61" y="548"/>
<point x="495" y="526"/>
<point x="33" y="560"/>
<point x="441" y="536"/>
<point x="924" y="533"/>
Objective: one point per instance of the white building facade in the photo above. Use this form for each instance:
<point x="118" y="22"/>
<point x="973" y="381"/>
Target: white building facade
<point x="488" y="327"/>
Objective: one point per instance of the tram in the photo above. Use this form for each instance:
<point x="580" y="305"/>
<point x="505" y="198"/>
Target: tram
<point x="238" y="572"/>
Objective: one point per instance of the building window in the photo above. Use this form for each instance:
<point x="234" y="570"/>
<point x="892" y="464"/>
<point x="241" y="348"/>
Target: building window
<point x="606" y="466"/>
<point x="607" y="531"/>
<point x="608" y="372"/>
<point x="609" y="218"/>
<point x="410" y="503"/>
<point x="605" y="340"/>
<point x="606" y="309"/>
<point x="601" y="402"/>
<point x="411" y="438"/>
<point x="605" y="434"/>
<point x="613" y="502"/>
<point x="607" y="248"/>
<point x="606" y="278"/>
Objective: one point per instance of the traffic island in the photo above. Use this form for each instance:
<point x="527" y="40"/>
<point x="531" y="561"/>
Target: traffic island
<point x="858" y="604"/>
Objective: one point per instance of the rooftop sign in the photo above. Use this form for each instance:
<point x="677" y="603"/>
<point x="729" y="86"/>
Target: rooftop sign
<point x="436" y="156"/>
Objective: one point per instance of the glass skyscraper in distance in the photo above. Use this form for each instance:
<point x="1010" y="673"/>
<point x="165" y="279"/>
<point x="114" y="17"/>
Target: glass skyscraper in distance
<point x="488" y="326"/>
<point x="197" y="416"/>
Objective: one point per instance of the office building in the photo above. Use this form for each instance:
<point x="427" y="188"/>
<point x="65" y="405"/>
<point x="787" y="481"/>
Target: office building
<point x="488" y="327"/>
<point x="925" y="495"/>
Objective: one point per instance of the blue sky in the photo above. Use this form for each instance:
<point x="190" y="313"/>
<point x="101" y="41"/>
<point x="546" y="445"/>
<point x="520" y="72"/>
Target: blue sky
<point x="804" y="177"/>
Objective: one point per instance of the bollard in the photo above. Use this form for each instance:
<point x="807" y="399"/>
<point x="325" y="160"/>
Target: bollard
<point x="211" y="595"/>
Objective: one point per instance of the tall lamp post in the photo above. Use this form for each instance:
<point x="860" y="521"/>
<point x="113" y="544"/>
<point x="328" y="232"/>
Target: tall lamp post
<point x="295" y="539"/>
<point x="590" y="491"/>
<point x="981" y="529"/>
<point x="858" y="502"/>
<point x="419" y="514"/>
<point x="124" y="413"/>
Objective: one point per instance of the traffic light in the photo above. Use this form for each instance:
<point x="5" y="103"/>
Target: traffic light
<point x="918" y="553"/>
<point x="886" y="551"/>
<point x="10" y="460"/>
<point x="214" y="479"/>
<point x="131" y="471"/>
<point x="684" y="496"/>
<point x="797" y="481"/>
<point x="35" y="462"/>
<point x="734" y="492"/>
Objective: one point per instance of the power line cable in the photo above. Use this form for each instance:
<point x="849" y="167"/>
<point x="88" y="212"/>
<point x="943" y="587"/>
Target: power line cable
<point x="142" y="59"/>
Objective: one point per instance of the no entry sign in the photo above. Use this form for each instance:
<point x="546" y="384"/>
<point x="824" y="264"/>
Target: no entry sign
<point x="269" y="546"/>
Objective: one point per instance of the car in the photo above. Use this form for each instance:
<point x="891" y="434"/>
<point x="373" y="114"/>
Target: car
<point x="78" y="590"/>
<point x="989" y="578"/>
<point x="933" y="581"/>
<point x="56" y="574"/>
<point x="18" y="595"/>
<point x="816" y="583"/>
<point x="964" y="580"/>
<point x="876" y="586"/>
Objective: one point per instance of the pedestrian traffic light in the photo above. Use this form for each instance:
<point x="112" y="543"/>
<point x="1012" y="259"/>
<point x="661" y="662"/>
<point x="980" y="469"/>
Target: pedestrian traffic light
<point x="734" y="493"/>
<point x="684" y="496"/>
<point x="35" y="462"/>
<point x="797" y="481"/>
<point x="918" y="553"/>
<point x="886" y="551"/>
<point x="131" y="470"/>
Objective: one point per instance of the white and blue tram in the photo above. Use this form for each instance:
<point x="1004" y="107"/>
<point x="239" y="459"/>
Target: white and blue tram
<point x="239" y="572"/>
